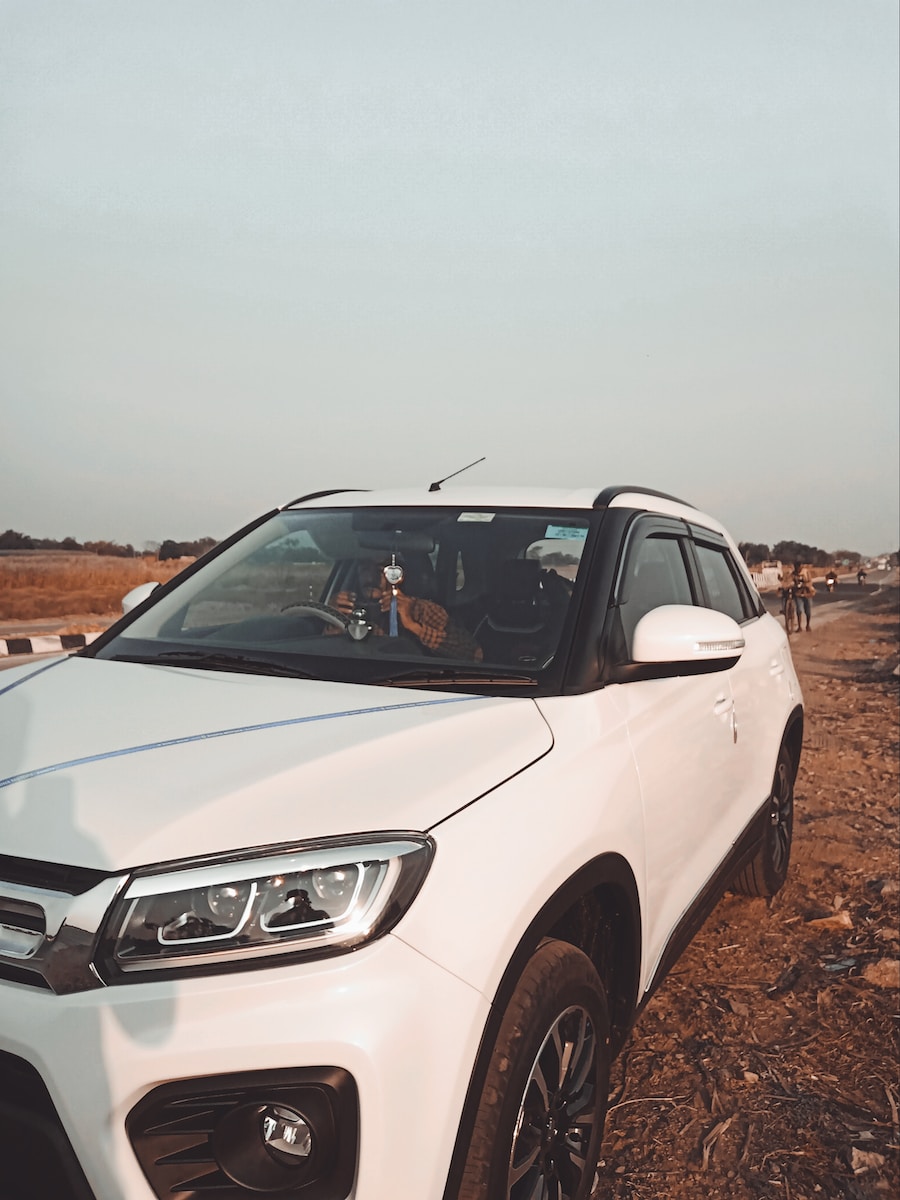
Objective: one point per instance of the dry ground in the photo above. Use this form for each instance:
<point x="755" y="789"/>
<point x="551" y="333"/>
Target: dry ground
<point x="767" y="1064"/>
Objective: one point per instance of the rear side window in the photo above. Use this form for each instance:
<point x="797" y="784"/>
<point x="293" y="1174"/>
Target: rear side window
<point x="719" y="580"/>
<point x="656" y="575"/>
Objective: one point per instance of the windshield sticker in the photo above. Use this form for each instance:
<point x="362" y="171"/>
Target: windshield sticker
<point x="572" y="533"/>
<point x="476" y="516"/>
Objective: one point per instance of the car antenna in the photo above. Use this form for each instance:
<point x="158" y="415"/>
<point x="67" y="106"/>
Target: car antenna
<point x="436" y="486"/>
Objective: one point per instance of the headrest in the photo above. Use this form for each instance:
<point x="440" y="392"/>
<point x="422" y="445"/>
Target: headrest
<point x="515" y="602"/>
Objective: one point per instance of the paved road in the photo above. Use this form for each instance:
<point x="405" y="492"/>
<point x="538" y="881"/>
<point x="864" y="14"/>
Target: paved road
<point x="828" y="605"/>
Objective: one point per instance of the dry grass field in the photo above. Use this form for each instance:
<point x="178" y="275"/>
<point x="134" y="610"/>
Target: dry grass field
<point x="39" y="584"/>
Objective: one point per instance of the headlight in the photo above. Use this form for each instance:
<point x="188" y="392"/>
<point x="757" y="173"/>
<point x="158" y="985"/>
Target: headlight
<point x="314" y="900"/>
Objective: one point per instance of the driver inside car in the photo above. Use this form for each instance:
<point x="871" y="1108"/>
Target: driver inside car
<point x="425" y="620"/>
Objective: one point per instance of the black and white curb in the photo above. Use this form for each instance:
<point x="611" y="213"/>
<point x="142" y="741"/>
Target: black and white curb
<point x="49" y="644"/>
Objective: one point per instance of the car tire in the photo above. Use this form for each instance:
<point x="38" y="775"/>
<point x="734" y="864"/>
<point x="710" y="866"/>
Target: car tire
<point x="767" y="870"/>
<point x="540" y="1119"/>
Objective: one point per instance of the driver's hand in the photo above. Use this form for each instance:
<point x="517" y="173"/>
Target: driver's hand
<point x="404" y="605"/>
<point x="404" y="612"/>
<point x="387" y="595"/>
<point x="345" y="602"/>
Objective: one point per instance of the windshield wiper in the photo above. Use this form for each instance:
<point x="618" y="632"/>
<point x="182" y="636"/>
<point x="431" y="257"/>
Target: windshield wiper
<point x="451" y="675"/>
<point x="204" y="661"/>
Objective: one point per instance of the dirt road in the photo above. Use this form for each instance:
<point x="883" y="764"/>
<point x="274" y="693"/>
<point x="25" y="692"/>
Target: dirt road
<point x="767" y="1064"/>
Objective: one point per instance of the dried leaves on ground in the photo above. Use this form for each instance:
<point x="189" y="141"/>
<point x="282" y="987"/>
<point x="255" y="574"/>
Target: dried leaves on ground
<point x="767" y="1064"/>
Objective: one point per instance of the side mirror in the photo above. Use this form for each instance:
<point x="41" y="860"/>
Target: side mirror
<point x="685" y="633"/>
<point x="682" y="639"/>
<point x="138" y="595"/>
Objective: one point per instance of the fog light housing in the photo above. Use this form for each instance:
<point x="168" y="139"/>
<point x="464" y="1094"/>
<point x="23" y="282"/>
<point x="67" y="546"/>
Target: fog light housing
<point x="286" y="1133"/>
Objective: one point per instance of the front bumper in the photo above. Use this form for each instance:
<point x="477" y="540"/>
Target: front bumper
<point x="405" y="1030"/>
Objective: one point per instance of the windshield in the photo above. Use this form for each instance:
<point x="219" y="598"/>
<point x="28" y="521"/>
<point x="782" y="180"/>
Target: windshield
<point x="375" y="595"/>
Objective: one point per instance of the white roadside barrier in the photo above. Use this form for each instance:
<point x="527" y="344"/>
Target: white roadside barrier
<point x="766" y="577"/>
<point x="45" y="643"/>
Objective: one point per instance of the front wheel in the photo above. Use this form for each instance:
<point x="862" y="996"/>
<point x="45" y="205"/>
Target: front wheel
<point x="789" y="614"/>
<point x="540" y="1119"/>
<point x="767" y="870"/>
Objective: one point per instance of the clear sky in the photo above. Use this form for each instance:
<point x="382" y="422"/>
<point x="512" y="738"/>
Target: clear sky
<point x="249" y="250"/>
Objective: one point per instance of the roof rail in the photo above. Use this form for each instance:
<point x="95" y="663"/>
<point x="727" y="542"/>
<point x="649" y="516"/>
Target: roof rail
<point x="319" y="495"/>
<point x="610" y="493"/>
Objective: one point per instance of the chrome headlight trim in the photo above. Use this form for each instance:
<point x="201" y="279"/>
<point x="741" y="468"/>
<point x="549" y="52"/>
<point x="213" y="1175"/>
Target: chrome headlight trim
<point x="256" y="908"/>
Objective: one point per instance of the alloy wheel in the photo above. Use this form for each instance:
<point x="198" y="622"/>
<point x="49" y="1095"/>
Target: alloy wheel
<point x="556" y="1116"/>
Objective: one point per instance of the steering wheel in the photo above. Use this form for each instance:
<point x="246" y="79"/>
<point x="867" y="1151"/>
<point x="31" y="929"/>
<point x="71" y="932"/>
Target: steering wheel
<point x="325" y="613"/>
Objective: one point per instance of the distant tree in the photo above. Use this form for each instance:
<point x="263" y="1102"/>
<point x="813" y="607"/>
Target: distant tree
<point x="68" y="543"/>
<point x="152" y="548"/>
<point x="200" y="546"/>
<point x="172" y="549"/>
<point x="169" y="549"/>
<point x="791" y="552"/>
<point x="754" y="553"/>
<point x="849" y="557"/>
<point x="110" y="549"/>
<point x="11" y="540"/>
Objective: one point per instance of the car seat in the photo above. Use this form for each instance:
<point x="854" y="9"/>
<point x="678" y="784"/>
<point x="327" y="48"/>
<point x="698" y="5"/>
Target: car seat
<point x="522" y="618"/>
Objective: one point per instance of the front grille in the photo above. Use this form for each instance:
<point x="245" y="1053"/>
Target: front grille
<point x="50" y="918"/>
<point x="22" y="926"/>
<point x="37" y="1158"/>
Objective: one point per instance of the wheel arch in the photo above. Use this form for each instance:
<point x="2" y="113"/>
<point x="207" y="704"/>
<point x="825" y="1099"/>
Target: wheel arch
<point x="597" y="910"/>
<point x="793" y="737"/>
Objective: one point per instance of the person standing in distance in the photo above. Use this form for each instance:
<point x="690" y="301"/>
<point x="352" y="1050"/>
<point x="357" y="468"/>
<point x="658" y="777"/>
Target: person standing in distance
<point x="805" y="590"/>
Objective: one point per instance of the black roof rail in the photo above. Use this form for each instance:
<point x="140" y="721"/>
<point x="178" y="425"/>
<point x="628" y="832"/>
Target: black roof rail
<point x="610" y="493"/>
<point x="319" y="495"/>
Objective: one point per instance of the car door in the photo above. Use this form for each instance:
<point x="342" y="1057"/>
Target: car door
<point x="682" y="739"/>
<point x="760" y="681"/>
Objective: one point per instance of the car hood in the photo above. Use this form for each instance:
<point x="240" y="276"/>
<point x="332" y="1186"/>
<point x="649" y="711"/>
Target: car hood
<point x="114" y="765"/>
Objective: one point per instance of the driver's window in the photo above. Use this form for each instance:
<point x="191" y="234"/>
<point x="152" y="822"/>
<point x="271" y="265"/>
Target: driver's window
<point x="656" y="574"/>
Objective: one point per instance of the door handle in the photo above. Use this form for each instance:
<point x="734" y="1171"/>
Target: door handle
<point x="724" y="706"/>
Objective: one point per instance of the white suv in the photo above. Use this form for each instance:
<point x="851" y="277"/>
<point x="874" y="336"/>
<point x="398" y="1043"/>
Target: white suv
<point x="341" y="866"/>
